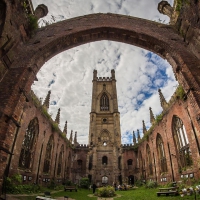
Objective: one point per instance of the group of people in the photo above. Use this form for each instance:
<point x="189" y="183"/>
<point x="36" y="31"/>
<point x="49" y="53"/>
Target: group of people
<point x="120" y="187"/>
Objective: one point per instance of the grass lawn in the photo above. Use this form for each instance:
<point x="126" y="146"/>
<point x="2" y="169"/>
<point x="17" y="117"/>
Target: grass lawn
<point x="136" y="194"/>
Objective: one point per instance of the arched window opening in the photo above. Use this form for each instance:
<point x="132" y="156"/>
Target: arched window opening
<point x="59" y="169"/>
<point x="79" y="163"/>
<point x="161" y="154"/>
<point x="48" y="156"/>
<point x="104" y="102"/>
<point x="104" y="179"/>
<point x="119" y="162"/>
<point x="182" y="143"/>
<point x="104" y="160"/>
<point x="141" y="165"/>
<point x="90" y="162"/>
<point x="28" y="144"/>
<point x="130" y="163"/>
<point x="149" y="160"/>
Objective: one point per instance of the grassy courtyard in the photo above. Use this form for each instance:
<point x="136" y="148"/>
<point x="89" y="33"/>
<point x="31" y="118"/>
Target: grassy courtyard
<point x="139" y="194"/>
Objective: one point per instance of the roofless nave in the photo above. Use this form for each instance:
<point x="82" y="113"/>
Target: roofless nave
<point x="169" y="147"/>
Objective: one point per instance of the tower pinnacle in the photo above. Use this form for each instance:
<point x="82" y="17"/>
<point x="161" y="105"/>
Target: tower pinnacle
<point x="47" y="100"/>
<point x="163" y="102"/>
<point x="57" y="120"/>
<point x="152" y="118"/>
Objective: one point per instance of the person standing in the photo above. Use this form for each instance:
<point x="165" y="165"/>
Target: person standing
<point x="94" y="187"/>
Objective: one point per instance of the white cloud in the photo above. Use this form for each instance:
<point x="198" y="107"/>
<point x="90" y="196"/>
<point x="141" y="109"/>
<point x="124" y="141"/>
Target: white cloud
<point x="139" y="73"/>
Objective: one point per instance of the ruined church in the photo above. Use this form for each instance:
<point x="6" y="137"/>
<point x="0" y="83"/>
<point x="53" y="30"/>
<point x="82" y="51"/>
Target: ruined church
<point x="31" y="142"/>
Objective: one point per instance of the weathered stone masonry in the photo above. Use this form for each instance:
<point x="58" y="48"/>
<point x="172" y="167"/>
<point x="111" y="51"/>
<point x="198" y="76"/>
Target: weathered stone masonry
<point x="23" y="51"/>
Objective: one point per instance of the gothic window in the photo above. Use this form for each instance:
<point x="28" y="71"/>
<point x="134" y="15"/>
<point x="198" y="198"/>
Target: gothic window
<point x="105" y="138"/>
<point x="141" y="165"/>
<point x="90" y="162"/>
<point x="28" y="144"/>
<point x="79" y="163"/>
<point x="59" y="169"/>
<point x="48" y="156"/>
<point x="104" y="160"/>
<point x="119" y="162"/>
<point x="149" y="160"/>
<point x="104" y="102"/>
<point x="130" y="163"/>
<point x="104" y="179"/>
<point x="161" y="154"/>
<point x="140" y="161"/>
<point x="182" y="143"/>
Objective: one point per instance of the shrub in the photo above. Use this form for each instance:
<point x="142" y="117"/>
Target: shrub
<point x="68" y="182"/>
<point x="159" y="118"/>
<point x="33" y="24"/>
<point x="180" y="92"/>
<point x="107" y="191"/>
<point x="52" y="184"/>
<point x="139" y="183"/>
<point x="151" y="184"/>
<point x="84" y="183"/>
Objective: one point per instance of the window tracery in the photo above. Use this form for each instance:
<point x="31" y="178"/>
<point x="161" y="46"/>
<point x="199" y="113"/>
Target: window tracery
<point x="59" y="169"/>
<point x="48" y="155"/>
<point x="104" y="102"/>
<point x="161" y="154"/>
<point x="149" y="160"/>
<point x="182" y="143"/>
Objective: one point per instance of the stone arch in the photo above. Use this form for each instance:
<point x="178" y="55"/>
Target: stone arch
<point x="50" y="41"/>
<point x="53" y="39"/>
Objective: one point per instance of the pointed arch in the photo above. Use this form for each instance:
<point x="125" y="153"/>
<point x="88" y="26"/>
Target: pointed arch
<point x="130" y="163"/>
<point x="28" y="145"/>
<point x="104" y="102"/>
<point x="149" y="160"/>
<point x="161" y="153"/>
<point x="104" y="160"/>
<point x="105" y="137"/>
<point x="182" y="143"/>
<point x="48" y="155"/>
<point x="60" y="159"/>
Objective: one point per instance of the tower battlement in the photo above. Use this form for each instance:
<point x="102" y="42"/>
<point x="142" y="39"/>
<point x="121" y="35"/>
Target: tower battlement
<point x="104" y="78"/>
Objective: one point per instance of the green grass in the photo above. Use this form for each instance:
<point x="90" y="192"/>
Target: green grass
<point x="139" y="194"/>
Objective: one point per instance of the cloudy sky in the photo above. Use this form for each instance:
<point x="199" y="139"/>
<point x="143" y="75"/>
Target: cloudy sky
<point x="139" y="73"/>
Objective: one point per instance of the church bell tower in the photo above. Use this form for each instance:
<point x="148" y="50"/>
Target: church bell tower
<point x="104" y="157"/>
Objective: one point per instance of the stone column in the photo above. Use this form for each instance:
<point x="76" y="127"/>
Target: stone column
<point x="165" y="8"/>
<point x="41" y="11"/>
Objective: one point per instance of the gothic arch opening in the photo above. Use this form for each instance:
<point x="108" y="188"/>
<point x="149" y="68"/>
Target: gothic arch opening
<point x="181" y="143"/>
<point x="161" y="153"/>
<point x="28" y="145"/>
